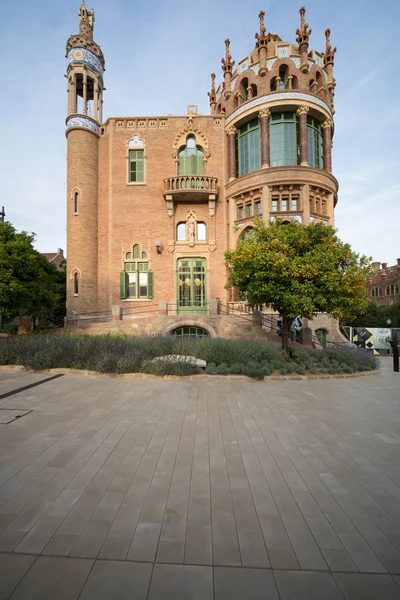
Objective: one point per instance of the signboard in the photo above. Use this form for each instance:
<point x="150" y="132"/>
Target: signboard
<point x="373" y="338"/>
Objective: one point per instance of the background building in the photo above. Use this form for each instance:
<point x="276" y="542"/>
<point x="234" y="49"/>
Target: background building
<point x="383" y="286"/>
<point x="153" y="202"/>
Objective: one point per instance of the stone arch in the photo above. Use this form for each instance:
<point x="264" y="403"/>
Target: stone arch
<point x="191" y="323"/>
<point x="75" y="270"/>
<point x="200" y="137"/>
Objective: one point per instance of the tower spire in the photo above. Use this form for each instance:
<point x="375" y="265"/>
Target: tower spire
<point x="227" y="65"/>
<point x="212" y="95"/>
<point x="329" y="59"/>
<point x="303" y="35"/>
<point x="261" y="44"/>
<point x="86" y="21"/>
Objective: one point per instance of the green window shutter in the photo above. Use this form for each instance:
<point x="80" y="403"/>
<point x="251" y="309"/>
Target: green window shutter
<point x="150" y="286"/>
<point x="123" y="284"/>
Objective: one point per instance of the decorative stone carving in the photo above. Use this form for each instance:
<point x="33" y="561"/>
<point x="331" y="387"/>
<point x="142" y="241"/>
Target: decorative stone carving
<point x="201" y="139"/>
<point x="136" y="142"/>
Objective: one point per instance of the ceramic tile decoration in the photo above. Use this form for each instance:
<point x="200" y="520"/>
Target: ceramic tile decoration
<point x="82" y="55"/>
<point x="83" y="122"/>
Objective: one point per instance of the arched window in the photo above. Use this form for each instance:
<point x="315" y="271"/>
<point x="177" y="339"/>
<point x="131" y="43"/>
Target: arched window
<point x="246" y="233"/>
<point x="76" y="202"/>
<point x="244" y="84"/>
<point x="235" y="101"/>
<point x="373" y="293"/>
<point x="283" y="77"/>
<point x="315" y="144"/>
<point x="191" y="158"/>
<point x="272" y="85"/>
<point x="392" y="290"/>
<point x="321" y="335"/>
<point x="181" y="232"/>
<point x="283" y="136"/>
<point x="248" y="148"/>
<point x="376" y="292"/>
<point x="253" y="90"/>
<point x="76" y="284"/>
<point x="295" y="83"/>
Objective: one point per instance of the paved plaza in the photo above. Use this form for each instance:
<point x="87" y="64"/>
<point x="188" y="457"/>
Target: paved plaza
<point x="174" y="489"/>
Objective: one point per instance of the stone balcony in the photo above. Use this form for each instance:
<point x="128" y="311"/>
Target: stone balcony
<point x="191" y="188"/>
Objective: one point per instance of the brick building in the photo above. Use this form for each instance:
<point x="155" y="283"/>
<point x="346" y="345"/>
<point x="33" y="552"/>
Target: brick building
<point x="153" y="202"/>
<point x="57" y="258"/>
<point x="384" y="285"/>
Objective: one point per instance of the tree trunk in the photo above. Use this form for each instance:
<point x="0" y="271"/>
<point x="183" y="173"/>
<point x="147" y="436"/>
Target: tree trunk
<point x="286" y="322"/>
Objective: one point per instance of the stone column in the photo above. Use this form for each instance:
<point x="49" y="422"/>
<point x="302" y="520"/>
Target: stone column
<point x="305" y="203"/>
<point x="232" y="152"/>
<point x="101" y="107"/>
<point x="327" y="133"/>
<point x="266" y="204"/>
<point x="96" y="101"/>
<point x="84" y="108"/>
<point x="264" y="115"/>
<point x="302" y="113"/>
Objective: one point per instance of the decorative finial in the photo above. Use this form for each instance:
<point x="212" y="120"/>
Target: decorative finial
<point x="330" y="52"/>
<point x="212" y="95"/>
<point x="261" y="37"/>
<point x="86" y="20"/>
<point x="227" y="62"/>
<point x="302" y="33"/>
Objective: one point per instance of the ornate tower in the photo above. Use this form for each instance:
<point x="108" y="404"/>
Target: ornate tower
<point x="85" y="98"/>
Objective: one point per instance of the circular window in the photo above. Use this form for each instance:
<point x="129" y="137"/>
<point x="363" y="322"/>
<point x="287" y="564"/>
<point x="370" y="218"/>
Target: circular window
<point x="190" y="331"/>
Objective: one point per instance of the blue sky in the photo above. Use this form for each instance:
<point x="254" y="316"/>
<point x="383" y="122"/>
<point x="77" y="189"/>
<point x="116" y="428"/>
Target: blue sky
<point x="159" y="56"/>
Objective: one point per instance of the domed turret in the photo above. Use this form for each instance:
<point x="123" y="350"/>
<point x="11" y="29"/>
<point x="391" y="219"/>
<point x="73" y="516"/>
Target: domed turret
<point x="278" y="104"/>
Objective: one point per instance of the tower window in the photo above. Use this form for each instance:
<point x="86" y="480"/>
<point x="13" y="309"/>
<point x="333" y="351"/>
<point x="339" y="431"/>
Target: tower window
<point x="191" y="158"/>
<point x="248" y="148"/>
<point x="136" y="166"/>
<point x="76" y="284"/>
<point x="283" y="135"/>
<point x="283" y="77"/>
<point x="315" y="144"/>
<point x="76" y="198"/>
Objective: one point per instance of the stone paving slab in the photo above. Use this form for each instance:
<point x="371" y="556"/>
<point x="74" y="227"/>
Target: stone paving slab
<point x="206" y="481"/>
<point x="31" y="577"/>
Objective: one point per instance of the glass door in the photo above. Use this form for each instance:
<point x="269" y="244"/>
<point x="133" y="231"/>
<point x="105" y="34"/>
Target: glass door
<point x="192" y="296"/>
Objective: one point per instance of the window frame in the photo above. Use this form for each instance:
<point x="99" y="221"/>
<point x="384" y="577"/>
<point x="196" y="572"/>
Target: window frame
<point x="315" y="144"/>
<point x="134" y="267"/>
<point x="279" y="139"/>
<point x="184" y="153"/>
<point x="245" y="147"/>
<point x="129" y="161"/>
